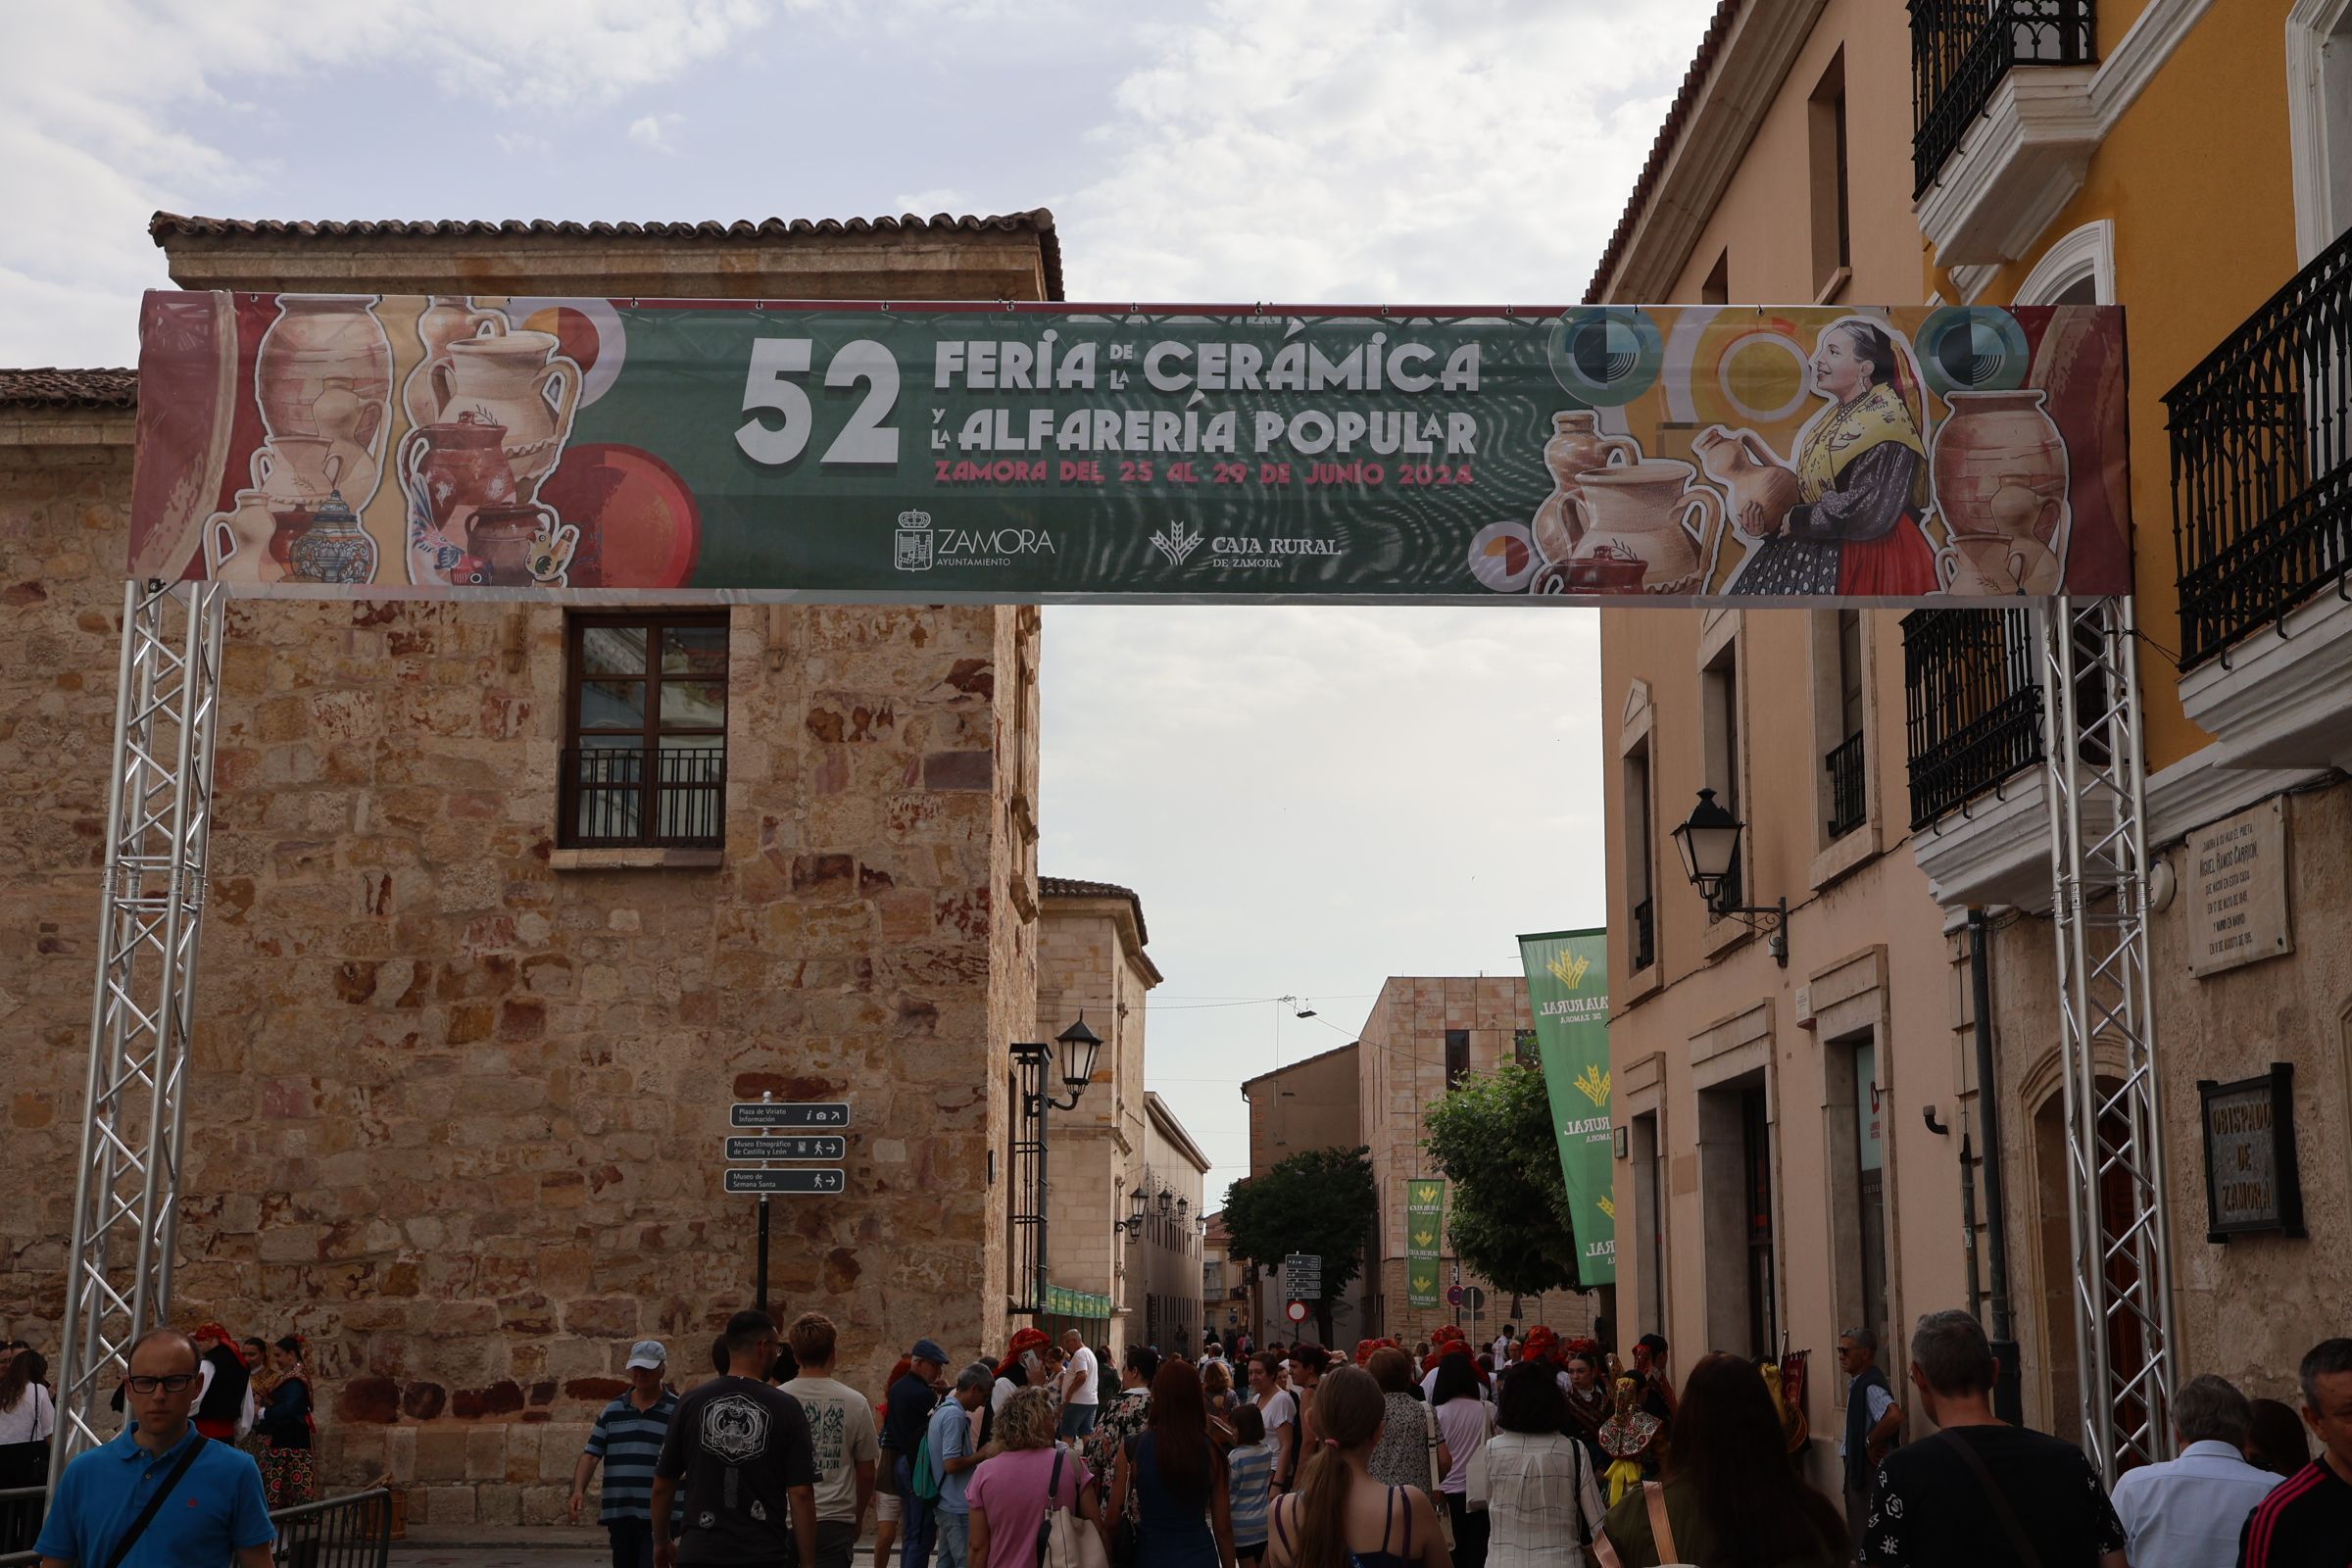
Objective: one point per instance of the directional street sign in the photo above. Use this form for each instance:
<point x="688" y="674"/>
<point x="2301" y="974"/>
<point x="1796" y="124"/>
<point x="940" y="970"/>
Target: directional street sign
<point x="1302" y="1276"/>
<point x="790" y="1113"/>
<point x="790" y="1179"/>
<point x="824" y="1146"/>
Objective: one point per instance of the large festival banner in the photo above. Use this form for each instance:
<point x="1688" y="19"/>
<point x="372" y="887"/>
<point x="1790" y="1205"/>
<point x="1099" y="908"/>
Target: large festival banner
<point x="1424" y="1238"/>
<point x="1568" y="987"/>
<point x="590" y="448"/>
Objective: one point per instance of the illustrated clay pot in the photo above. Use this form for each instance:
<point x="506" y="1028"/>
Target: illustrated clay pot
<point x="1996" y="565"/>
<point x="334" y="549"/>
<point x="292" y="523"/>
<point x="449" y="318"/>
<point x="322" y="342"/>
<point x="1576" y="445"/>
<point x="1749" y="474"/>
<point x="1646" y="511"/>
<point x="290" y="468"/>
<point x="237" y="542"/>
<point x="449" y="469"/>
<point x="2001" y="467"/>
<point x="520" y="381"/>
<point x="501" y="537"/>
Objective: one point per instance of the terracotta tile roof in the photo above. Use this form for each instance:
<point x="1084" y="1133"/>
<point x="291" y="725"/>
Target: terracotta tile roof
<point x="72" y="389"/>
<point x="1685" y="97"/>
<point x="1038" y="221"/>
<point x="1062" y="887"/>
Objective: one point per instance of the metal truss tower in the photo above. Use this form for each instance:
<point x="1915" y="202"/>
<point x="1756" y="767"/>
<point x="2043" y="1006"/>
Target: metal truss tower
<point x="2116" y="1194"/>
<point x="158" y="827"/>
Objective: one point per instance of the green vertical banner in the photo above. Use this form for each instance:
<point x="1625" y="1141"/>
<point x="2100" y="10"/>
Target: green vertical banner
<point x="1568" y="987"/>
<point x="1424" y="1238"/>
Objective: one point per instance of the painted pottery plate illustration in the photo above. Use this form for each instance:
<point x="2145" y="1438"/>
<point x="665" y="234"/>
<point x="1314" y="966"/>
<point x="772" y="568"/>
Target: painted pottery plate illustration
<point x="187" y="407"/>
<point x="645" y="528"/>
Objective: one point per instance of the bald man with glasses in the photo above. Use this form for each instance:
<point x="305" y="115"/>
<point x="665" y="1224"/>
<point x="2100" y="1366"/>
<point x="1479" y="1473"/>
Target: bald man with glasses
<point x="162" y="1494"/>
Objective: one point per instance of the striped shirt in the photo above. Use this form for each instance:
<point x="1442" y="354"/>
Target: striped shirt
<point x="1252" y="1469"/>
<point x="628" y="1440"/>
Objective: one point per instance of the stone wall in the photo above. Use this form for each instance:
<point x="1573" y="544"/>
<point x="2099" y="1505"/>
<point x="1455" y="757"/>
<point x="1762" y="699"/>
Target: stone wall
<point x="456" y="1110"/>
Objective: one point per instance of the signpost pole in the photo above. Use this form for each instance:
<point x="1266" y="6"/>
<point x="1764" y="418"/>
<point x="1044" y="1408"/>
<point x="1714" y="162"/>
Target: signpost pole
<point x="767" y="1097"/>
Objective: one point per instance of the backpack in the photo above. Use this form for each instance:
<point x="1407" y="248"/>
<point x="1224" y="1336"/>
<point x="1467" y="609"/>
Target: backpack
<point x="925" y="1479"/>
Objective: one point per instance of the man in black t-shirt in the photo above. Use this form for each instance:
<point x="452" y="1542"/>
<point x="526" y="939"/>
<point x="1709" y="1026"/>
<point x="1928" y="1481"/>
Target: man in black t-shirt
<point x="741" y="1451"/>
<point x="1980" y="1490"/>
<point x="2306" y="1522"/>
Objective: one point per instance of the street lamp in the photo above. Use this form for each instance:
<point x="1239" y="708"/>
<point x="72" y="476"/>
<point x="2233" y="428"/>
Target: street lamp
<point x="1074" y="1049"/>
<point x="1167" y="1200"/>
<point x="1184" y="1206"/>
<point x="1133" y="1224"/>
<point x="1709" y="843"/>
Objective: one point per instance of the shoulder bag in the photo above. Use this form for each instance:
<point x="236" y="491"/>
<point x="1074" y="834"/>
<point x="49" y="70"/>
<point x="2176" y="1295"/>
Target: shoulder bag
<point x="1477" y="1479"/>
<point x="138" y="1525"/>
<point x="1661" y="1531"/>
<point x="1436" y="1477"/>
<point x="2027" y="1556"/>
<point x="1065" y="1539"/>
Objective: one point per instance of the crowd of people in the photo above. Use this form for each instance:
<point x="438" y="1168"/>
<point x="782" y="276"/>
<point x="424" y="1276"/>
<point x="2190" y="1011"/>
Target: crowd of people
<point x="1532" y="1452"/>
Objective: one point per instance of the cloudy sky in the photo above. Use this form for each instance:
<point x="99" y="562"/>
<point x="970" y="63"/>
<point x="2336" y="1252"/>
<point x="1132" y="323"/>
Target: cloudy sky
<point x="1308" y="800"/>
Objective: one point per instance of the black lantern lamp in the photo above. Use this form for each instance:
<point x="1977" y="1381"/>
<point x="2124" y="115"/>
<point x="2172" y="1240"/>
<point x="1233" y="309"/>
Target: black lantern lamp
<point x="1078" y="1047"/>
<point x="1709" y="843"/>
<point x="1167" y="1200"/>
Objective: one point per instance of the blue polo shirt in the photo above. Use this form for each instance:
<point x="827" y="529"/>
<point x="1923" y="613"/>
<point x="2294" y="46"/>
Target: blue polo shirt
<point x="215" y="1512"/>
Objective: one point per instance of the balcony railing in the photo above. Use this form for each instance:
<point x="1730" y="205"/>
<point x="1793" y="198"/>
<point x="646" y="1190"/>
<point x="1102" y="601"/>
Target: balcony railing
<point x="1850" y="797"/>
<point x="1645" y="934"/>
<point x="2262" y="461"/>
<point x="1973" y="705"/>
<point x="1961" y="49"/>
<point x="670" y="797"/>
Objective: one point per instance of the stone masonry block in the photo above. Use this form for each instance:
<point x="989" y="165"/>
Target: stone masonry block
<point x="441" y="1452"/>
<point x="486" y="1452"/>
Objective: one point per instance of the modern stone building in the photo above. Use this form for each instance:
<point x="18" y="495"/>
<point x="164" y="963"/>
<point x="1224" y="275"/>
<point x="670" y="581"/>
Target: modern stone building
<point x="458" y="1088"/>
<point x="1423" y="1037"/>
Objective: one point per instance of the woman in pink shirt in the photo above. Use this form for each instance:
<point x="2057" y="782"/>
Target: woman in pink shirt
<point x="1010" y="1493"/>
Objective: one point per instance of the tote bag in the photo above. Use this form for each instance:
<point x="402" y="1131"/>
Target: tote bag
<point x="1064" y="1540"/>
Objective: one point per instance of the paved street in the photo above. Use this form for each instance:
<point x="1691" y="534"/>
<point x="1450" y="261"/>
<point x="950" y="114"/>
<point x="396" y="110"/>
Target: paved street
<point x="542" y="1547"/>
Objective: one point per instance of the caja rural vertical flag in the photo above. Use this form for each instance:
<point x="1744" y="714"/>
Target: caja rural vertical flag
<point x="1568" y="988"/>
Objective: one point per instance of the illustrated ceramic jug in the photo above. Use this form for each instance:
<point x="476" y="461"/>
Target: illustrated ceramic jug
<point x="1644" y="510"/>
<point x="1749" y="474"/>
<point x="449" y="469"/>
<point x="1576" y="445"/>
<point x="447" y="320"/>
<point x="236" y="542"/>
<point x="501" y="538"/>
<point x="520" y="381"/>
<point x="334" y="549"/>
<point x="2001" y="467"/>
<point x="322" y="342"/>
<point x="288" y="469"/>
<point x="1996" y="565"/>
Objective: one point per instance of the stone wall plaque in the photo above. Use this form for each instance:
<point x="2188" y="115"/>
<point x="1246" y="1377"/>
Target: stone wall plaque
<point x="2252" y="1186"/>
<point x="2236" y="876"/>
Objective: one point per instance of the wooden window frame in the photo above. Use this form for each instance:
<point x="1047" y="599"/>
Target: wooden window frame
<point x="653" y="622"/>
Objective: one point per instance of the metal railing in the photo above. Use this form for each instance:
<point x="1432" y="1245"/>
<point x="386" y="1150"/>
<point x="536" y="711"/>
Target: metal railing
<point x="1961" y="49"/>
<point x="348" y="1532"/>
<point x="1973" y="705"/>
<point x="1849" y="794"/>
<point x="2262" y="461"/>
<point x="1645" y="933"/>
<point x="668" y="797"/>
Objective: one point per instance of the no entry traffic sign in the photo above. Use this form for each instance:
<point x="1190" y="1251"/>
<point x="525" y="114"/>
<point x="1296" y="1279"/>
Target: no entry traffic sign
<point x="790" y="1179"/>
<point x="1296" y="1311"/>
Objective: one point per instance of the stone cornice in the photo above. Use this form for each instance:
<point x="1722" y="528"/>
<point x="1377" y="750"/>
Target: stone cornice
<point x="1747" y="73"/>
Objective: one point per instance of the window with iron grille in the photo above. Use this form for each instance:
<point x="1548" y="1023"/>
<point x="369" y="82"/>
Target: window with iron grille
<point x="645" y="731"/>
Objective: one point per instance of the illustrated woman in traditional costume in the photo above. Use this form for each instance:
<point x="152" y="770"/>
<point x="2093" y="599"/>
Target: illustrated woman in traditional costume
<point x="1862" y="480"/>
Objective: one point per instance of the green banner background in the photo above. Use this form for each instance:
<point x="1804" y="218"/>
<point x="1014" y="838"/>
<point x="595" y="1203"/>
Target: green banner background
<point x="1424" y="1238"/>
<point x="1568" y="988"/>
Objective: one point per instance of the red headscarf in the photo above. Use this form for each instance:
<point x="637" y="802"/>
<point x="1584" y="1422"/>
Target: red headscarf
<point x="1024" y="1341"/>
<point x="1541" y="1344"/>
<point x="212" y="1331"/>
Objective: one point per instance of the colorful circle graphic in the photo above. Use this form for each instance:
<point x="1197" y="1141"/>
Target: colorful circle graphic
<point x="1973" y="348"/>
<point x="1503" y="557"/>
<point x="1605" y="356"/>
<point x="590" y="331"/>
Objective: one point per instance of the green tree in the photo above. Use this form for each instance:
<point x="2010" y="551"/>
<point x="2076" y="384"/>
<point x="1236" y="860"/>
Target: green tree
<point x="1508" y="1212"/>
<point x="1323" y="1202"/>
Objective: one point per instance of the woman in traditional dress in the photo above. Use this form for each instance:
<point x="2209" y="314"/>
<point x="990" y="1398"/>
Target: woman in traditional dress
<point x="288" y="1478"/>
<point x="1862" y="481"/>
<point x="1588" y="1399"/>
<point x="1629" y="1440"/>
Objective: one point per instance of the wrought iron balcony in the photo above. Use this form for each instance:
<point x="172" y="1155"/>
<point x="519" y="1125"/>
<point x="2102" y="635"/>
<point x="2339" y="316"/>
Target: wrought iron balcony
<point x="672" y="796"/>
<point x="1849" y="796"/>
<point x="1645" y="934"/>
<point x="2262" y="463"/>
<point x="1973" y="705"/>
<point x="1961" y="49"/>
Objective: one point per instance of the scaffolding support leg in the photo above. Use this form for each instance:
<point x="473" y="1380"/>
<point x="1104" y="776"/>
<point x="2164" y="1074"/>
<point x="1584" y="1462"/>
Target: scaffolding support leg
<point x="2116" y="1193"/>
<point x="143" y="1009"/>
